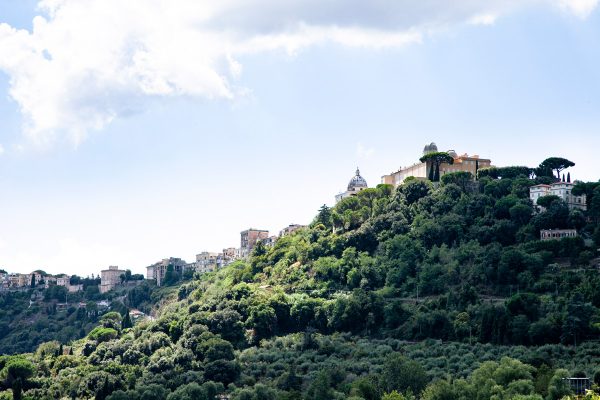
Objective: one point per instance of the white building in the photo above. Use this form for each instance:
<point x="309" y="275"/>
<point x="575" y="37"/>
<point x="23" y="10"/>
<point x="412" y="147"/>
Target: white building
<point x="561" y="189"/>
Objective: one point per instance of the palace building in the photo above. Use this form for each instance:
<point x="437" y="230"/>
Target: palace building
<point x="420" y="170"/>
<point x="561" y="189"/>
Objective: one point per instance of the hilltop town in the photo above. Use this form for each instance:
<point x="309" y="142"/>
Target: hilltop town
<point x="449" y="256"/>
<point x="429" y="168"/>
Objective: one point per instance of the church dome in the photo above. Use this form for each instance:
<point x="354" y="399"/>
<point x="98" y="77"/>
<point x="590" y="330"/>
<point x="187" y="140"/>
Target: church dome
<point x="357" y="182"/>
<point x="430" y="148"/>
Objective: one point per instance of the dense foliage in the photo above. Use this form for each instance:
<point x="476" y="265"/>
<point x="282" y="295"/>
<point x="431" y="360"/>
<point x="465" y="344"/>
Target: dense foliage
<point x="30" y="317"/>
<point x="430" y="291"/>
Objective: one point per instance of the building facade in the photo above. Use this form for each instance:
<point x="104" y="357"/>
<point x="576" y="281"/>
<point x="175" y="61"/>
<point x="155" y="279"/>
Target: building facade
<point x="110" y="278"/>
<point x="63" y="280"/>
<point x="291" y="228"/>
<point x="158" y="270"/>
<point x="561" y="189"/>
<point x="249" y="238"/>
<point x="207" y="262"/>
<point x="462" y="163"/>
<point x="356" y="184"/>
<point x="557" y="234"/>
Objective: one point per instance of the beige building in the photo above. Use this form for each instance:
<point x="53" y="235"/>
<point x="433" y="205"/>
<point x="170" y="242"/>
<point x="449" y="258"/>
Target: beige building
<point x="231" y="253"/>
<point x="249" y="238"/>
<point x="75" y="288"/>
<point x="288" y="230"/>
<point x="110" y="278"/>
<point x="14" y="280"/>
<point x="356" y="184"/>
<point x="561" y="189"/>
<point x="63" y="280"/>
<point x="556" y="234"/>
<point x="158" y="270"/>
<point x="206" y="262"/>
<point x="465" y="162"/>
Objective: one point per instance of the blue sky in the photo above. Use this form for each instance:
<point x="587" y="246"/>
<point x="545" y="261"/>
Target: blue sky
<point x="106" y="163"/>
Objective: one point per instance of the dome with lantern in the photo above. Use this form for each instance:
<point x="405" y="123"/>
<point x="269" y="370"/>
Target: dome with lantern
<point x="357" y="182"/>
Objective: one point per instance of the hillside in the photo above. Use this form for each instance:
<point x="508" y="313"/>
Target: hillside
<point x="30" y="317"/>
<point x="438" y="291"/>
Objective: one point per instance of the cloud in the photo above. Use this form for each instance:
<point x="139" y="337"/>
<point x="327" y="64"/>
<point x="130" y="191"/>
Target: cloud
<point x="1" y="152"/>
<point x="364" y="152"/>
<point x="483" y="19"/>
<point x="581" y="8"/>
<point x="87" y="62"/>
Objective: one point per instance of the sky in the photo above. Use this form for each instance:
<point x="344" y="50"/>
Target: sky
<point x="135" y="131"/>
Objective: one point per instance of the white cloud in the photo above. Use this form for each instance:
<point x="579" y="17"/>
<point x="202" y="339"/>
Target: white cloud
<point x="1" y="150"/>
<point x="483" y="19"/>
<point x="364" y="152"/>
<point x="581" y="8"/>
<point x="87" y="62"/>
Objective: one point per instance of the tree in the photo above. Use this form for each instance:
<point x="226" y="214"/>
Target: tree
<point x="126" y="321"/>
<point x="16" y="372"/>
<point x="222" y="371"/>
<point x="324" y="217"/>
<point x="394" y="395"/>
<point x="400" y="373"/>
<point x="557" y="164"/>
<point x="320" y="388"/>
<point x="170" y="276"/>
<point x="436" y="159"/>
<point x="546" y="201"/>
<point x="32" y="280"/>
<point x="413" y="190"/>
<point x="460" y="178"/>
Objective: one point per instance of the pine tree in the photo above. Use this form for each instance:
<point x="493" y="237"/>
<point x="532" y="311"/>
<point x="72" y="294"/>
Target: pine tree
<point x="32" y="280"/>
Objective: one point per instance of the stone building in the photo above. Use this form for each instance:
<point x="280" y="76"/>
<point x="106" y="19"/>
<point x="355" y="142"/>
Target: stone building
<point x="158" y="270"/>
<point x="249" y="238"/>
<point x="420" y="170"/>
<point x="561" y="189"/>
<point x="110" y="278"/>
<point x="356" y="184"/>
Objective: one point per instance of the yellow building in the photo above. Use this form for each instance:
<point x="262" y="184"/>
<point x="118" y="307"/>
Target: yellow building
<point x="465" y="162"/>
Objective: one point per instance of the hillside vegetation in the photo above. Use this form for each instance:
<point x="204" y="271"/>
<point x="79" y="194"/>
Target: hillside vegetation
<point x="429" y="292"/>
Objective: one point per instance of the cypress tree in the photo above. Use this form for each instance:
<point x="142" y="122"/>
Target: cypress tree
<point x="126" y="322"/>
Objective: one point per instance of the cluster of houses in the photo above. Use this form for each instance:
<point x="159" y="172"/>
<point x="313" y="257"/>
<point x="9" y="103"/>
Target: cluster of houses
<point x="209" y="261"/>
<point x="112" y="277"/>
<point x="36" y="279"/>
